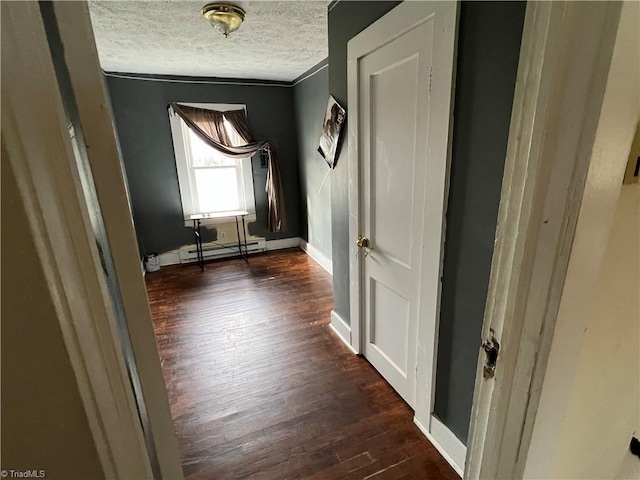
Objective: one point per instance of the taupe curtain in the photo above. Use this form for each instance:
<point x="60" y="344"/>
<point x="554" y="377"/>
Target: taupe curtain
<point x="209" y="125"/>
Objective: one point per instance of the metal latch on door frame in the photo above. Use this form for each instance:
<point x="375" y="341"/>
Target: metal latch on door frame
<point x="491" y="349"/>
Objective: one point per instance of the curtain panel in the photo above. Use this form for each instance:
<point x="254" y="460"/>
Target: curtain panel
<point x="209" y="125"/>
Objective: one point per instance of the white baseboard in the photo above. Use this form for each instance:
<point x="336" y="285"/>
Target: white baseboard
<point x="169" y="258"/>
<point x="283" y="243"/>
<point x="449" y="446"/>
<point x="173" y="257"/>
<point x="340" y="327"/>
<point x="320" y="258"/>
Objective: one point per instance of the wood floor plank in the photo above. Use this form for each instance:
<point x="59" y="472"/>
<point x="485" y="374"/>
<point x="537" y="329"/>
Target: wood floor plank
<point x="261" y="388"/>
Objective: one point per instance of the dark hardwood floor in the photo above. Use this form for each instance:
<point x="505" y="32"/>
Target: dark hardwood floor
<point x="260" y="386"/>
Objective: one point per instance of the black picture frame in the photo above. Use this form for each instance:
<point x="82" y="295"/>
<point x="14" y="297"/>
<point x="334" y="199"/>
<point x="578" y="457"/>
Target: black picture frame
<point x="334" y="119"/>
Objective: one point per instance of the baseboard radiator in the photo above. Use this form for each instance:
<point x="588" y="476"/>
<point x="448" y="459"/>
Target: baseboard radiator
<point x="214" y="250"/>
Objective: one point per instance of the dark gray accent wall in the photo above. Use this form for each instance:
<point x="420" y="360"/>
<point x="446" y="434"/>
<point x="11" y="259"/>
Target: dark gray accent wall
<point x="346" y="20"/>
<point x="488" y="50"/>
<point x="311" y="96"/>
<point x="142" y="124"/>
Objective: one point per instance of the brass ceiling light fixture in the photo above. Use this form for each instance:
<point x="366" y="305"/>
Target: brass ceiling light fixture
<point x="224" y="17"/>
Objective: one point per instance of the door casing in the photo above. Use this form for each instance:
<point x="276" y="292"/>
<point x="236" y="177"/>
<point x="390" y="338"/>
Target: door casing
<point x="38" y="144"/>
<point x="551" y="170"/>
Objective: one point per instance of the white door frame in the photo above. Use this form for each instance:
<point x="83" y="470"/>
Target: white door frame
<point x="564" y="63"/>
<point x="37" y="143"/>
<point x="398" y="21"/>
<point x="596" y="223"/>
<point x="35" y="137"/>
<point x="92" y="100"/>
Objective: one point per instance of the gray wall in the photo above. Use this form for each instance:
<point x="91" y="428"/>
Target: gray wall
<point x="142" y="123"/>
<point x="488" y="50"/>
<point x="346" y="20"/>
<point x="310" y="100"/>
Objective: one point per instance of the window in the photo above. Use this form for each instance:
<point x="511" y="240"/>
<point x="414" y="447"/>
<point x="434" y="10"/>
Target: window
<point x="209" y="181"/>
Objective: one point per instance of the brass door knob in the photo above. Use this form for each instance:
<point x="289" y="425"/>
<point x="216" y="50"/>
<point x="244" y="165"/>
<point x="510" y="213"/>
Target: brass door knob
<point x="362" y="242"/>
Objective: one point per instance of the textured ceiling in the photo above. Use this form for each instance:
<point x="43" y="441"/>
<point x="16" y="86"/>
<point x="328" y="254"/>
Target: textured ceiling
<point x="277" y="41"/>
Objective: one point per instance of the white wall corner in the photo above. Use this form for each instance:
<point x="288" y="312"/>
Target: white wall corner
<point x="320" y="258"/>
<point x="445" y="441"/>
<point x="342" y="329"/>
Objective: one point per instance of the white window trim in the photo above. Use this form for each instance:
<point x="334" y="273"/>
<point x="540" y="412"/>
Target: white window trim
<point x="184" y="172"/>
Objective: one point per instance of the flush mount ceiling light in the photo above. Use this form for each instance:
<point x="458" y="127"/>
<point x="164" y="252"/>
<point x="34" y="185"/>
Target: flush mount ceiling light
<point x="224" y="17"/>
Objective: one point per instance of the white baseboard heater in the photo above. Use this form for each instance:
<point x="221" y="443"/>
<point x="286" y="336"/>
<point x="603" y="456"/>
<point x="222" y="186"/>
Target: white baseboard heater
<point x="212" y="250"/>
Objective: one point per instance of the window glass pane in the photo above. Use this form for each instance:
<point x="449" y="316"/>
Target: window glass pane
<point x="202" y="155"/>
<point x="235" y="138"/>
<point x="217" y="189"/>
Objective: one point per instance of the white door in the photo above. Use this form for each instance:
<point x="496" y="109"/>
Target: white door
<point x="394" y="83"/>
<point x="400" y="172"/>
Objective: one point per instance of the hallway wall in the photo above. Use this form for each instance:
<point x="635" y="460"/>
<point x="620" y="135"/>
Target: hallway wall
<point x="606" y="385"/>
<point x="346" y="20"/>
<point x="310" y="97"/>
<point x="44" y="425"/>
<point x="489" y="36"/>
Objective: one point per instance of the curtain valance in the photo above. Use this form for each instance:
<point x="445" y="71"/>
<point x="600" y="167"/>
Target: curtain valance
<point x="210" y="126"/>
